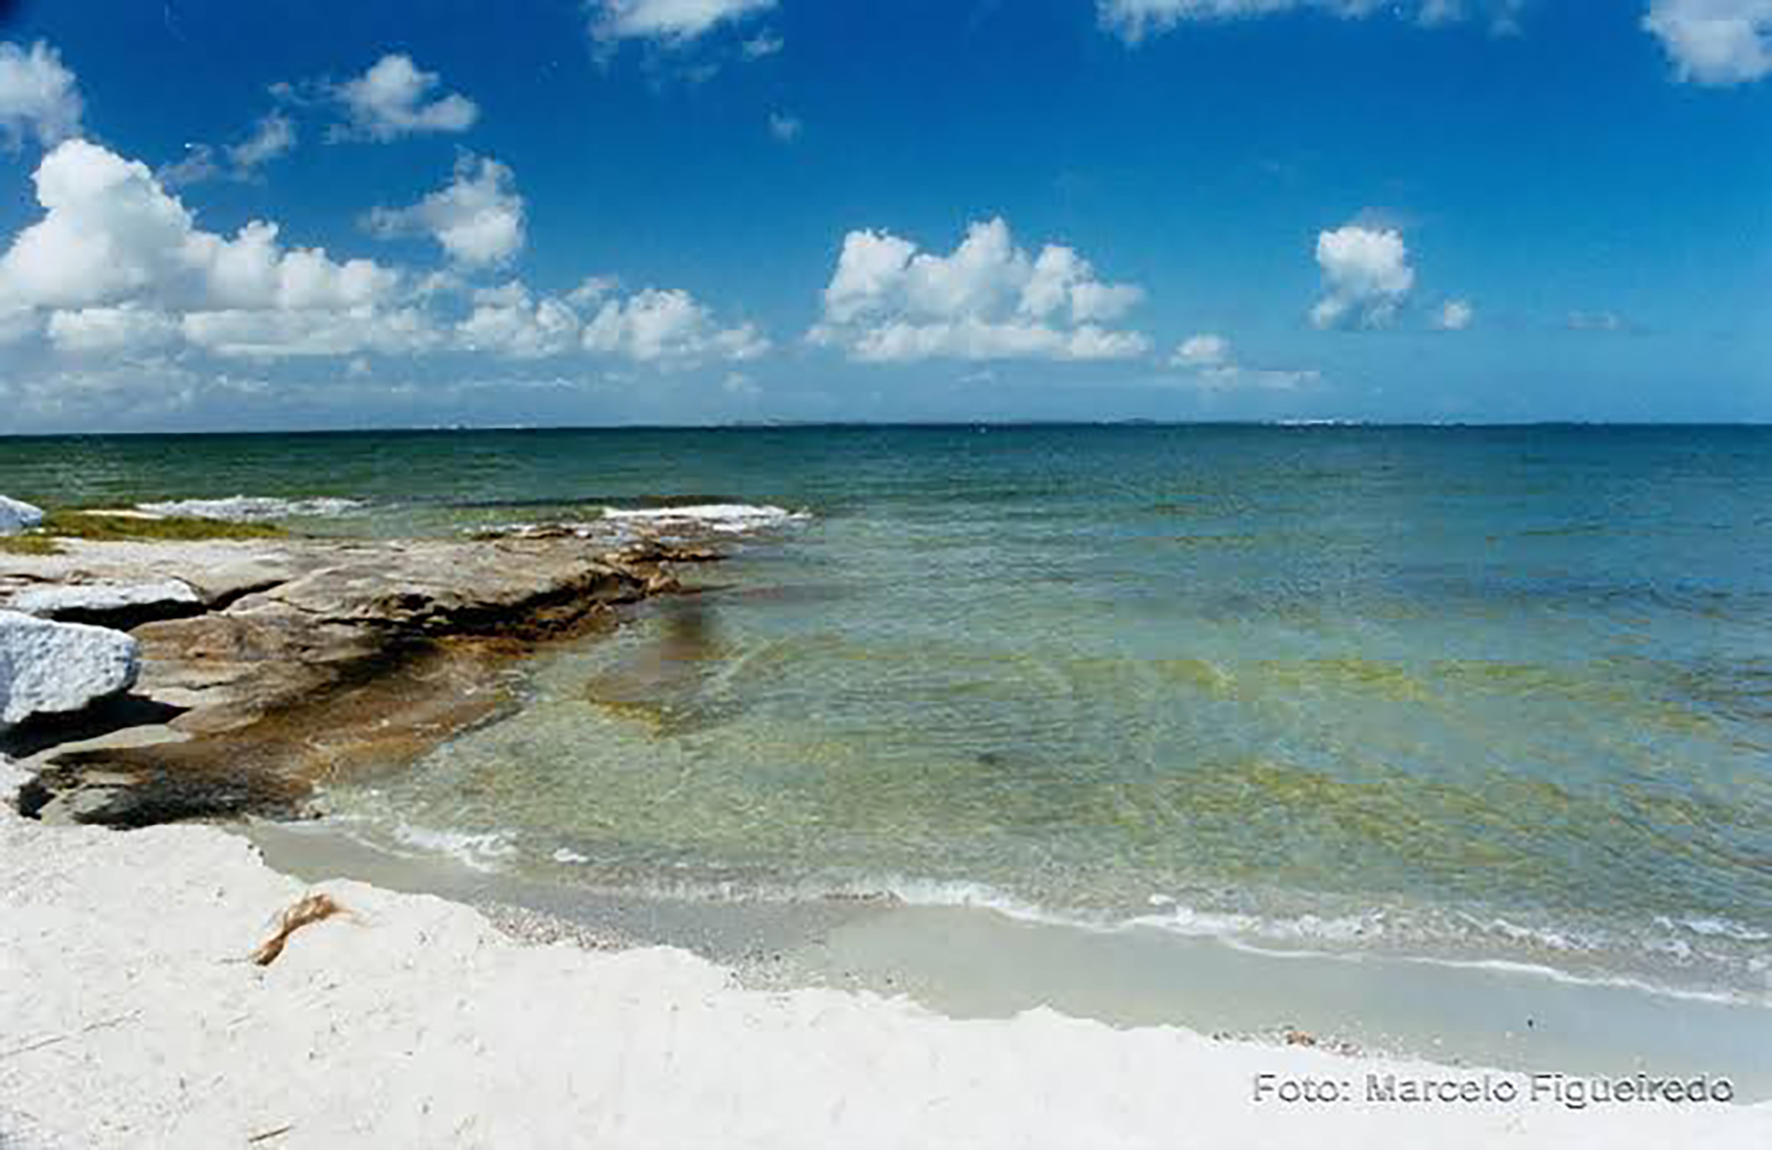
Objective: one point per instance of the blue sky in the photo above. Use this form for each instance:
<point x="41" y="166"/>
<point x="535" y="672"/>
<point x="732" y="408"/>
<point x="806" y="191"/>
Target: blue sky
<point x="556" y="212"/>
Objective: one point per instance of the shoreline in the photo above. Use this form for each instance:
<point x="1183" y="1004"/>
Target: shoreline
<point x="409" y="1020"/>
<point x="975" y="962"/>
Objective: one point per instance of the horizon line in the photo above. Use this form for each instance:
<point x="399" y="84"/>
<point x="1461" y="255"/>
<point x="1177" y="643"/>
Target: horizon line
<point x="903" y="424"/>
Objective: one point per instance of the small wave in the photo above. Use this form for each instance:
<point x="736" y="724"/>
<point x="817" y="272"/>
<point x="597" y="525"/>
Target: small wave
<point x="966" y="895"/>
<point x="254" y="509"/>
<point x="1569" y="978"/>
<point x="485" y="852"/>
<point x="725" y="518"/>
<point x="1716" y="928"/>
<point x="1182" y="919"/>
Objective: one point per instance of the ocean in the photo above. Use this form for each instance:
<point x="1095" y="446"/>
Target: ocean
<point x="1497" y="698"/>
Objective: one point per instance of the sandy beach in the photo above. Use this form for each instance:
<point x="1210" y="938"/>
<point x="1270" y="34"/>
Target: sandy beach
<point x="135" y="1018"/>
<point x="724" y="574"/>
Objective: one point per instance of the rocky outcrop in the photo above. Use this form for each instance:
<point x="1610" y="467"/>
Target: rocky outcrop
<point x="49" y="668"/>
<point x="16" y="516"/>
<point x="122" y="605"/>
<point x="297" y="660"/>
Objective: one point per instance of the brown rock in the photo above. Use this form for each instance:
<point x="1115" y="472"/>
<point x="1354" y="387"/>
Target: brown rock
<point x="316" y="657"/>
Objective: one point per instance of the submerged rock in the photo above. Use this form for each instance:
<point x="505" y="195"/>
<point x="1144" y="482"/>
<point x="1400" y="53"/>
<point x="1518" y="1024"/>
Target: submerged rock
<point x="16" y="516"/>
<point x="111" y="604"/>
<point x="49" y="668"/>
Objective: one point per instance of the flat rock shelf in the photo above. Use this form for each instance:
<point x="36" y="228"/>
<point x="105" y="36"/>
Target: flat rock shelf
<point x="292" y="660"/>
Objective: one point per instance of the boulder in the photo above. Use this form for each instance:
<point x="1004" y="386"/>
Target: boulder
<point x="16" y="516"/>
<point x="49" y="668"/>
<point x="121" y="605"/>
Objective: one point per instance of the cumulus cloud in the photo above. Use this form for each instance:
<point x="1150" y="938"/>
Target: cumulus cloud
<point x="115" y="258"/>
<point x="1133" y="20"/>
<point x="273" y="136"/>
<point x="1203" y="351"/>
<point x="127" y="328"/>
<point x="1455" y="315"/>
<point x="665" y="328"/>
<point x="117" y="270"/>
<point x="395" y="98"/>
<point x="1717" y="42"/>
<point x="673" y="22"/>
<point x="988" y="299"/>
<point x="1211" y="363"/>
<point x="276" y="334"/>
<point x="511" y="321"/>
<point x="1366" y="276"/>
<point x="668" y="327"/>
<point x="39" y="97"/>
<point x="477" y="218"/>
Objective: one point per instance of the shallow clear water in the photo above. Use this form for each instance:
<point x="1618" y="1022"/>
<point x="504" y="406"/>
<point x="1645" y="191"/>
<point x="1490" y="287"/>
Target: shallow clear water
<point x="1470" y="694"/>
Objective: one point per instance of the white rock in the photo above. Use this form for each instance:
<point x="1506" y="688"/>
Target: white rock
<point x="162" y="599"/>
<point x="12" y="777"/>
<point x="16" y="516"/>
<point x="59" y="668"/>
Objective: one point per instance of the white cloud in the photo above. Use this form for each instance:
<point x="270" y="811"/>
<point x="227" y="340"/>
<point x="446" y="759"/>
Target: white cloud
<point x="251" y="271"/>
<point x="762" y="45"/>
<point x="668" y="327"/>
<point x="274" y="135"/>
<point x="509" y="321"/>
<point x="108" y="231"/>
<point x="671" y="21"/>
<point x="128" y="328"/>
<point x="117" y="267"/>
<point x="1366" y="276"/>
<point x="1133" y="20"/>
<point x="887" y="302"/>
<point x="114" y="254"/>
<point x="784" y="127"/>
<point x="1212" y="364"/>
<point x="1715" y="42"/>
<point x="593" y="289"/>
<point x="1203" y="351"/>
<point x="395" y="98"/>
<point x="199" y="164"/>
<point x="38" y="96"/>
<point x="1455" y="315"/>
<point x="276" y="334"/>
<point x="478" y="217"/>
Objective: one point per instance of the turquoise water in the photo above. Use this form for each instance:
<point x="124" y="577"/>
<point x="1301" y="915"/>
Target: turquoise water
<point x="1470" y="695"/>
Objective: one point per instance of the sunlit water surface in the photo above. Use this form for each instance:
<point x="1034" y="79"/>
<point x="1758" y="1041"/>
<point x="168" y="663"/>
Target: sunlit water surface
<point x="1490" y="695"/>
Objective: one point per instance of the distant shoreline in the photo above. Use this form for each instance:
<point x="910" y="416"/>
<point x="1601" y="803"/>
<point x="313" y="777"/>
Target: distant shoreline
<point x="1349" y="424"/>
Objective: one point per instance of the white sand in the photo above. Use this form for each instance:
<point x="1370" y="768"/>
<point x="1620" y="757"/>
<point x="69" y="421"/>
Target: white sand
<point x="128" y="1017"/>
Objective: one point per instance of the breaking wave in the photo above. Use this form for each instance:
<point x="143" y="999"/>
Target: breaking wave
<point x="255" y="509"/>
<point x="726" y="518"/>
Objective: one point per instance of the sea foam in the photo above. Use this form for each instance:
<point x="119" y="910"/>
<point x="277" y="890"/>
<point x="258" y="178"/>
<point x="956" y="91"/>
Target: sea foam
<point x="726" y="518"/>
<point x="253" y="509"/>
